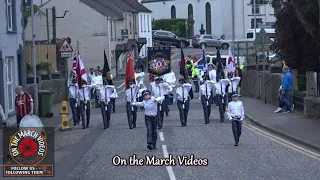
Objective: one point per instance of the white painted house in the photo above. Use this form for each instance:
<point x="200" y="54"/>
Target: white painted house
<point x="11" y="48"/>
<point x="215" y="15"/>
<point x="145" y="31"/>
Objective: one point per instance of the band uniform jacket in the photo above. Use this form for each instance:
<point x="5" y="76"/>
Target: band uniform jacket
<point x="233" y="84"/>
<point x="221" y="86"/>
<point x="150" y="105"/>
<point x="74" y="91"/>
<point x="131" y="93"/>
<point x="235" y="110"/>
<point x="106" y="92"/>
<point x="206" y="86"/>
<point x="161" y="89"/>
<point x="84" y="93"/>
<point x="182" y="92"/>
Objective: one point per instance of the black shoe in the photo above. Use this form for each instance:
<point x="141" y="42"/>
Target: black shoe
<point x="105" y="128"/>
<point x="222" y="121"/>
<point x="206" y="122"/>
<point x="149" y="147"/>
<point x="108" y="126"/>
<point x="83" y="127"/>
<point x="184" y="125"/>
<point x="236" y="144"/>
<point x="87" y="126"/>
<point x="159" y="127"/>
<point x="113" y="111"/>
<point x="78" y="123"/>
<point x="131" y="127"/>
<point x="74" y="124"/>
<point x="154" y="147"/>
<point x="134" y="126"/>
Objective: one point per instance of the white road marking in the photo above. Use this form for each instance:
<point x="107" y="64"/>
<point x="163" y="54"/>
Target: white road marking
<point x="285" y="143"/>
<point x="120" y="85"/>
<point x="161" y="136"/>
<point x="169" y="168"/>
<point x="121" y="91"/>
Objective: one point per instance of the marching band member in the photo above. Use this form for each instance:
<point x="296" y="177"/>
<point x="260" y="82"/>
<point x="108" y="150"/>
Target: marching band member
<point x="105" y="95"/>
<point x="97" y="80"/>
<point x="205" y="96"/>
<point x="139" y="74"/>
<point x="233" y="86"/>
<point x="220" y="87"/>
<point x="130" y="97"/>
<point x="213" y="77"/>
<point x="150" y="105"/>
<point x="73" y="100"/>
<point x="84" y="103"/>
<point x="114" y="94"/>
<point x="159" y="89"/>
<point x="169" y="78"/>
<point x="236" y="115"/>
<point x="140" y="95"/>
<point x="183" y="101"/>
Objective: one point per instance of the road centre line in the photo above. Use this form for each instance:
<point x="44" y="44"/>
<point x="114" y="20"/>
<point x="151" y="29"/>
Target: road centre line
<point x="169" y="168"/>
<point x="121" y="85"/>
<point x="161" y="136"/>
<point x="285" y="143"/>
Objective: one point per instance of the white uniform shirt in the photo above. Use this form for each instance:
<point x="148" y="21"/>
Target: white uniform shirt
<point x="235" y="110"/>
<point x="213" y="75"/>
<point x="91" y="77"/>
<point x="234" y="82"/>
<point x="84" y="93"/>
<point x="182" y="92"/>
<point x="207" y="85"/>
<point x="140" y="75"/>
<point x="140" y="91"/>
<point x="169" y="77"/>
<point x="114" y="94"/>
<point x="97" y="80"/>
<point x="161" y="89"/>
<point x="73" y="90"/>
<point x="150" y="106"/>
<point x="221" y="86"/>
<point x="105" y="92"/>
<point x="132" y="91"/>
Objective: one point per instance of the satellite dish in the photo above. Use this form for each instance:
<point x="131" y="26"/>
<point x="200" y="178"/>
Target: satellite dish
<point x="31" y="122"/>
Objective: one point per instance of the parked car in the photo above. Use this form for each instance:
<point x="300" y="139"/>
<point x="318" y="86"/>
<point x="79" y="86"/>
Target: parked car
<point x="209" y="41"/>
<point x="163" y="37"/>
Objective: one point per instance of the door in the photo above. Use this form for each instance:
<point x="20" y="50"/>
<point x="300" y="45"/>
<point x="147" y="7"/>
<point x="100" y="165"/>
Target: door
<point x="9" y="89"/>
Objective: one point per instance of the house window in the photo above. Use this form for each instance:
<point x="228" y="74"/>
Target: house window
<point x="208" y="18"/>
<point x="130" y="24"/>
<point x="111" y="29"/>
<point x="258" y="21"/>
<point x="115" y="30"/>
<point x="257" y="9"/>
<point x="10" y="15"/>
<point x="148" y="23"/>
<point x="173" y="12"/>
<point x="141" y="23"/>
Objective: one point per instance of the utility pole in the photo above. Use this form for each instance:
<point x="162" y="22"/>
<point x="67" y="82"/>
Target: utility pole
<point x="54" y="26"/>
<point x="233" y="26"/>
<point x="264" y="68"/>
<point x="78" y="46"/>
<point x="34" y="62"/>
<point x="255" y="27"/>
<point x="48" y="32"/>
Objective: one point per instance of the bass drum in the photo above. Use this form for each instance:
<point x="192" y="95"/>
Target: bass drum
<point x="32" y="121"/>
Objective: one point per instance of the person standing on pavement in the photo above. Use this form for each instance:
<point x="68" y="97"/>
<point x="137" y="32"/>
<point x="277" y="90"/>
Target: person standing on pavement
<point x="220" y="88"/>
<point x="106" y="92"/>
<point x="150" y="105"/>
<point x="23" y="104"/>
<point x="189" y="65"/>
<point x="73" y="100"/>
<point x="236" y="116"/>
<point x="183" y="101"/>
<point x="84" y="104"/>
<point x="159" y="89"/>
<point x="205" y="96"/>
<point x="286" y="89"/>
<point x="281" y="104"/>
<point x="195" y="74"/>
<point x="130" y="97"/>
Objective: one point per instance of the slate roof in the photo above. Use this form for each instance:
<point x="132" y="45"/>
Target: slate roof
<point x="150" y="1"/>
<point x="137" y="6"/>
<point x="106" y="9"/>
<point x="120" y="4"/>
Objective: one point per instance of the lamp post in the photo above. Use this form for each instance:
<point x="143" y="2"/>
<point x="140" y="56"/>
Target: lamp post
<point x="34" y="62"/>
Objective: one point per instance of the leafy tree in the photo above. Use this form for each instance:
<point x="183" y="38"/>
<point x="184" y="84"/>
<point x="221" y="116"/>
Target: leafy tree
<point x="27" y="13"/>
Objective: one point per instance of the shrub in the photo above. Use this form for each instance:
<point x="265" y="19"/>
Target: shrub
<point x="176" y="26"/>
<point x="44" y="67"/>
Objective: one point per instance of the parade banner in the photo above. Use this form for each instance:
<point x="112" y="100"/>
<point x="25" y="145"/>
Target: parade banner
<point x="159" y="60"/>
<point x="28" y="151"/>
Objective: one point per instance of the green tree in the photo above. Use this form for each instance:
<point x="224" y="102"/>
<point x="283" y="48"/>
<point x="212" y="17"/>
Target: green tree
<point x="27" y="13"/>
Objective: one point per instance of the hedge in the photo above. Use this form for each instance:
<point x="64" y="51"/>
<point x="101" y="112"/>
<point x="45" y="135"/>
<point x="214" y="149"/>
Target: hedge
<point x="176" y="26"/>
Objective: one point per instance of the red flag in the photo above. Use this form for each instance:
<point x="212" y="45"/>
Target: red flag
<point x="129" y="70"/>
<point x="81" y="72"/>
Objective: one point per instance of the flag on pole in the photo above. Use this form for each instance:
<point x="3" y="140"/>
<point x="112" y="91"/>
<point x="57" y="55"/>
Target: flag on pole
<point x="74" y="66"/>
<point x="204" y="60"/>
<point x="106" y="68"/>
<point x="220" y="65"/>
<point x="230" y="66"/>
<point x="81" y="72"/>
<point x="129" y="70"/>
<point x="183" y="65"/>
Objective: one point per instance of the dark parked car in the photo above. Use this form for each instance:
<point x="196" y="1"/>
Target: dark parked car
<point x="163" y="37"/>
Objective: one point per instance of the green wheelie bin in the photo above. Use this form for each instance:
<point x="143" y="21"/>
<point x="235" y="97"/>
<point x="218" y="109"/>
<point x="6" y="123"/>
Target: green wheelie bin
<point x="45" y="103"/>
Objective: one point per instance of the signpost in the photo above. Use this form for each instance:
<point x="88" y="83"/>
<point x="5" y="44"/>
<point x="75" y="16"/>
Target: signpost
<point x="263" y="40"/>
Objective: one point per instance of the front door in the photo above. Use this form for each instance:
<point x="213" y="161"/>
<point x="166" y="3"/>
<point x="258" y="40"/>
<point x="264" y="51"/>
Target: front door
<point x="9" y="89"/>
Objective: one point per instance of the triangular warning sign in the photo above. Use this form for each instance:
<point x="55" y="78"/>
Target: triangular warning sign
<point x="65" y="47"/>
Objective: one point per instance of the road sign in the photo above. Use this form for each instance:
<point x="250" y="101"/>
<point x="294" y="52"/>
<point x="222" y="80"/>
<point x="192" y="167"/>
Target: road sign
<point x="65" y="47"/>
<point x="66" y="54"/>
<point x="262" y="38"/>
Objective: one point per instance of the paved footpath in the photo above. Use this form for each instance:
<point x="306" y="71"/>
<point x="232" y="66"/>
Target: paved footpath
<point x="294" y="126"/>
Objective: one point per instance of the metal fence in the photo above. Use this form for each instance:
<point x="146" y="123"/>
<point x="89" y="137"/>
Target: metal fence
<point x="244" y="50"/>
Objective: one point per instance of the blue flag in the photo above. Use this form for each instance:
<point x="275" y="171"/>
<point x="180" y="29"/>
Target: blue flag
<point x="220" y="65"/>
<point x="205" y="67"/>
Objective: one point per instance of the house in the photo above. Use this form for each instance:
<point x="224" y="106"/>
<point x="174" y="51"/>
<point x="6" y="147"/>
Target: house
<point x="214" y="15"/>
<point x="93" y="26"/>
<point x="11" y="53"/>
<point x="144" y="27"/>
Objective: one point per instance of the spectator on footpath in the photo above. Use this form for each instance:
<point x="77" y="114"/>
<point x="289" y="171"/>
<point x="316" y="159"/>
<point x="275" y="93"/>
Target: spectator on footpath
<point x="23" y="104"/>
<point x="281" y="104"/>
<point x="286" y="89"/>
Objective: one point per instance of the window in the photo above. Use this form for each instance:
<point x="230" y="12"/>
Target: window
<point x="144" y="23"/>
<point x="111" y="30"/>
<point x="136" y="27"/>
<point x="207" y="37"/>
<point x="148" y="23"/>
<point x="141" y="23"/>
<point x="208" y="18"/>
<point x="257" y="9"/>
<point x="10" y="15"/>
<point x="115" y="30"/>
<point x="173" y="12"/>
<point x="130" y="24"/>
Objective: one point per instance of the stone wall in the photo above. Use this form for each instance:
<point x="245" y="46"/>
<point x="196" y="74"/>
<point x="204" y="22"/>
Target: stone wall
<point x="55" y="85"/>
<point x="252" y="85"/>
<point x="312" y="107"/>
